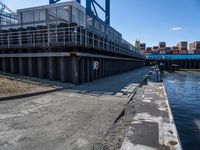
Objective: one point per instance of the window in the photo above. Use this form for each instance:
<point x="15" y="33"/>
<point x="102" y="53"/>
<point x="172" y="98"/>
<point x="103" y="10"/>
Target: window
<point x="27" y="17"/>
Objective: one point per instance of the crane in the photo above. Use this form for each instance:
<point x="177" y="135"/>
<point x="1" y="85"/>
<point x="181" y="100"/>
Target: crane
<point x="6" y="12"/>
<point x="91" y="8"/>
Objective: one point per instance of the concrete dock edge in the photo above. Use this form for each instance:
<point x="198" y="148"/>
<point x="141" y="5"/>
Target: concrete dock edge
<point x="153" y="126"/>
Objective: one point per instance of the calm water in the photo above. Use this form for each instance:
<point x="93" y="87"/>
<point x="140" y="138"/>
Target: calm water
<point x="183" y="90"/>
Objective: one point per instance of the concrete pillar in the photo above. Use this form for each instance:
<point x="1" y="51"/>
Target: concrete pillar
<point x="195" y="64"/>
<point x="30" y="67"/>
<point x="41" y="71"/>
<point x="0" y="64"/>
<point x="23" y="66"/>
<point x="5" y="65"/>
<point x="54" y="71"/>
<point x="100" y="68"/>
<point x="87" y="69"/>
<point x="12" y="67"/>
<point x="103" y="67"/>
<point x="190" y="64"/>
<point x="92" y="69"/>
<point x="82" y="70"/>
<point x="95" y="71"/>
<point x="74" y="70"/>
<point x="108" y="67"/>
<point x="63" y="69"/>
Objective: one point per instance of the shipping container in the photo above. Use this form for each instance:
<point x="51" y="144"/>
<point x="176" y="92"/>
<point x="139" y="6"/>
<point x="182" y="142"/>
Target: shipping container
<point x="175" y="50"/>
<point x="194" y="46"/>
<point x="184" y="51"/>
<point x="162" y="45"/>
<point x="162" y="51"/>
<point x="168" y="50"/>
<point x="183" y="45"/>
<point x="197" y="51"/>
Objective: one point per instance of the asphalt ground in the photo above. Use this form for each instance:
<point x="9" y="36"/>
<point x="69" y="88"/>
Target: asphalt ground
<point x="69" y="119"/>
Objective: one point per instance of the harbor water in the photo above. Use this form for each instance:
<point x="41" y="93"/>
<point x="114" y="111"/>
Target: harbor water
<point x="183" y="91"/>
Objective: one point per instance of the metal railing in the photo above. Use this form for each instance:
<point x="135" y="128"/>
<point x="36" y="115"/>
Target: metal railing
<point x="62" y="36"/>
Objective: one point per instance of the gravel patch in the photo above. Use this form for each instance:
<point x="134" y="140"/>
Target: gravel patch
<point x="114" y="137"/>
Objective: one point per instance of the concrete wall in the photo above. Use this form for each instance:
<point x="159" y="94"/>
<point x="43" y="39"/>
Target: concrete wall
<point x="69" y="69"/>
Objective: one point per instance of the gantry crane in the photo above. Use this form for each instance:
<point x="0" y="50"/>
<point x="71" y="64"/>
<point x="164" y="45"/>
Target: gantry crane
<point x="6" y="12"/>
<point x="7" y="16"/>
<point x="91" y="8"/>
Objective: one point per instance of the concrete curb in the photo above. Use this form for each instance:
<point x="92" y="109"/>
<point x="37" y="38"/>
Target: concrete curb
<point x="132" y="95"/>
<point x="29" y="95"/>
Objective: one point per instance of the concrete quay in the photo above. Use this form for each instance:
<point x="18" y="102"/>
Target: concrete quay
<point x="74" y="118"/>
<point x="153" y="127"/>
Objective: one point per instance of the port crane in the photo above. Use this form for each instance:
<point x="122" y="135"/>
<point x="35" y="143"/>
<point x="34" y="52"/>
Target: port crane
<point x="6" y="12"/>
<point x="7" y="16"/>
<point x="91" y="8"/>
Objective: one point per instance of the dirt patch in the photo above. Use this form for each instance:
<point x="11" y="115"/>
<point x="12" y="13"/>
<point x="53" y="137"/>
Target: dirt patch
<point x="12" y="86"/>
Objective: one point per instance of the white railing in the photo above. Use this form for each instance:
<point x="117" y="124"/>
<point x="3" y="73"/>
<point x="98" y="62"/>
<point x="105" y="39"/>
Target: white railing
<point x="62" y="36"/>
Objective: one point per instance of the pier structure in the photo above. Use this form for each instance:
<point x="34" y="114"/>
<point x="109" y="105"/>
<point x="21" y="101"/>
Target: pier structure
<point x="63" y="42"/>
<point x="183" y="61"/>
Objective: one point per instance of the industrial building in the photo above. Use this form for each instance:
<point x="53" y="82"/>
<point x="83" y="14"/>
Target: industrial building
<point x="64" y="41"/>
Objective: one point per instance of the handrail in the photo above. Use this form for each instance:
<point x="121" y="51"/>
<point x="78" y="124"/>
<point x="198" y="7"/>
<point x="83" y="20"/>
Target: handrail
<point x="63" y="36"/>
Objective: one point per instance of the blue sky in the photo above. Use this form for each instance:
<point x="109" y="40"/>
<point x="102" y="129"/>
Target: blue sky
<point x="150" y="21"/>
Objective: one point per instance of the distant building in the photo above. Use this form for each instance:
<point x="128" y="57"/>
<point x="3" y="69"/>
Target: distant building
<point x="162" y="47"/>
<point x="194" y="47"/>
<point x="137" y="44"/>
<point x="183" y="47"/>
<point x="143" y="47"/>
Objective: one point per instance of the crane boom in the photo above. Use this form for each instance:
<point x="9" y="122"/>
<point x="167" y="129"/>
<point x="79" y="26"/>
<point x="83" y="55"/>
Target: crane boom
<point x="92" y="4"/>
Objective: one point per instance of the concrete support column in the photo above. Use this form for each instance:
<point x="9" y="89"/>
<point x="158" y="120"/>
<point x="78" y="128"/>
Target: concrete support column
<point x="74" y="70"/>
<point x="185" y="64"/>
<point x="52" y="68"/>
<point x="195" y="64"/>
<point x="5" y="65"/>
<point x="100" y="68"/>
<point x="12" y="67"/>
<point x="190" y="65"/>
<point x="92" y="69"/>
<point x="30" y="67"/>
<point x="106" y="67"/>
<point x="41" y="71"/>
<point x="82" y="70"/>
<point x="87" y="69"/>
<point x="103" y="68"/>
<point x="95" y="71"/>
<point x="23" y="66"/>
<point x="0" y="64"/>
<point x="63" y="69"/>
